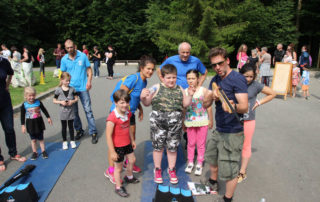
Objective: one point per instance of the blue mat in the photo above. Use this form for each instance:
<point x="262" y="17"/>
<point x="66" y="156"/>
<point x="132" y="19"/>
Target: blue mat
<point x="149" y="187"/>
<point x="47" y="171"/>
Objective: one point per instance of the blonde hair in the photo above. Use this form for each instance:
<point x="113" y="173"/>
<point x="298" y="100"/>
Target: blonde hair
<point x="29" y="90"/>
<point x="242" y="47"/>
<point x="41" y="51"/>
<point x="64" y="75"/>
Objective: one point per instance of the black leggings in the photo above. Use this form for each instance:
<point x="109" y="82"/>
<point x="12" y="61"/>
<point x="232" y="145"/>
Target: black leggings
<point x="110" y="69"/>
<point x="42" y="68"/>
<point x="64" y="129"/>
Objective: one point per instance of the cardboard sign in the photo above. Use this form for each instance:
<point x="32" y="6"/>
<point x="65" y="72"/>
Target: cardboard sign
<point x="281" y="82"/>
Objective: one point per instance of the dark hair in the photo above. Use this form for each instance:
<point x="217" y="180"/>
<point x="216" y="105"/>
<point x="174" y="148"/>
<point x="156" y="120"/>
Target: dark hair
<point x="305" y="47"/>
<point x="218" y="51"/>
<point x="196" y="72"/>
<point x="168" y="69"/>
<point x="248" y="67"/>
<point x="13" y="48"/>
<point x="258" y="47"/>
<point x="121" y="95"/>
<point x="144" y="60"/>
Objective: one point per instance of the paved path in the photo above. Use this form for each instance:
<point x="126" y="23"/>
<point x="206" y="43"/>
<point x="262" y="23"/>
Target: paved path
<point x="284" y="165"/>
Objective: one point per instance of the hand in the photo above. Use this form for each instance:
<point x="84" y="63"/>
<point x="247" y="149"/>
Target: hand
<point x="64" y="103"/>
<point x="23" y="129"/>
<point x="191" y="90"/>
<point x="50" y="121"/>
<point x="255" y="106"/>
<point x="145" y="93"/>
<point x="134" y="146"/>
<point x="140" y="114"/>
<point x="114" y="156"/>
<point x="88" y="86"/>
<point x="210" y="126"/>
<point x="70" y="102"/>
<point x="215" y="95"/>
<point x="225" y="106"/>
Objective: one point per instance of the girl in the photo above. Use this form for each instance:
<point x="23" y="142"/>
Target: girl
<point x="242" y="56"/>
<point x="32" y="122"/>
<point x="66" y="96"/>
<point x="197" y="120"/>
<point x="40" y="58"/>
<point x="295" y="77"/>
<point x="254" y="88"/>
<point x="133" y="84"/>
<point x="254" y="60"/>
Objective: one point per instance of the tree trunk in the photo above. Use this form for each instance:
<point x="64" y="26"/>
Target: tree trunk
<point x="298" y="15"/>
<point x="318" y="63"/>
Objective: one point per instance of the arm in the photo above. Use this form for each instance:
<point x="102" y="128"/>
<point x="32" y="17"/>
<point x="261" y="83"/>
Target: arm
<point x="109" y="131"/>
<point x="270" y="94"/>
<point x="203" y="78"/>
<point x="133" y="143"/>
<point x="98" y="56"/>
<point x="63" y="103"/>
<point x="140" y="112"/>
<point x="8" y="81"/>
<point x="146" y="97"/>
<point x="89" y="74"/>
<point x="242" y="106"/>
<point x="71" y="102"/>
<point x="55" y="53"/>
<point x="23" y="118"/>
<point x="44" y="110"/>
<point x="210" y="115"/>
<point x="110" y="55"/>
<point x="25" y="57"/>
<point x="187" y="99"/>
<point x="294" y="56"/>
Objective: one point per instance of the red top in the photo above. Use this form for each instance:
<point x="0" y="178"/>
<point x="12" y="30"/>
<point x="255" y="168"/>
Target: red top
<point x="85" y="51"/>
<point x="120" y="135"/>
<point x="60" y="53"/>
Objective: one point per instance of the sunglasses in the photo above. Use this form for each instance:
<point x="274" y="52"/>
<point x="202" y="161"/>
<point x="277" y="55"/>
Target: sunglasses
<point x="218" y="63"/>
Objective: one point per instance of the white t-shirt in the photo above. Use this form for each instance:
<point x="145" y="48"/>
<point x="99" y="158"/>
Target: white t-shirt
<point x="6" y="54"/>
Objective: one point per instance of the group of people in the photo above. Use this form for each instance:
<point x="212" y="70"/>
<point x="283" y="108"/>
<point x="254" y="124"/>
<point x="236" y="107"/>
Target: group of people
<point x="263" y="61"/>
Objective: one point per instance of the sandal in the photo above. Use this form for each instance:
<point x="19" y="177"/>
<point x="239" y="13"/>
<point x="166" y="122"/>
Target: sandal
<point x="2" y="166"/>
<point x="18" y="158"/>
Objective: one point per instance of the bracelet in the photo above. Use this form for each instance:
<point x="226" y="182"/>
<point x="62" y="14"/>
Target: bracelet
<point x="258" y="102"/>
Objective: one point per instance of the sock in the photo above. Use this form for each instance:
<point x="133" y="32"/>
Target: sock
<point x="130" y="177"/>
<point x="111" y="169"/>
<point x="212" y="181"/>
<point x="227" y="199"/>
<point x="118" y="187"/>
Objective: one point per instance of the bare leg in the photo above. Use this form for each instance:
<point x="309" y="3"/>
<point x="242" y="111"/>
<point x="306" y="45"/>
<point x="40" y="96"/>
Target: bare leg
<point x="172" y="158"/>
<point x="117" y="174"/>
<point x="157" y="158"/>
<point x="42" y="146"/>
<point x="131" y="160"/>
<point x="34" y="145"/>
<point x="231" y="187"/>
<point x="133" y="130"/>
<point x="111" y="162"/>
<point x="213" y="172"/>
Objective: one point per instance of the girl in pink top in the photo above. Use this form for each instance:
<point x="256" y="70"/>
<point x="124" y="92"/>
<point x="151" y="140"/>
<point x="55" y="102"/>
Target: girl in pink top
<point x="295" y="77"/>
<point x="242" y="56"/>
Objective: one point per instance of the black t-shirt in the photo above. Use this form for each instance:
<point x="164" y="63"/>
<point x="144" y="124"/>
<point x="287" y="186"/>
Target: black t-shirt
<point x="5" y="70"/>
<point x="94" y="58"/>
<point x="112" y="59"/>
<point x="278" y="55"/>
<point x="253" y="61"/>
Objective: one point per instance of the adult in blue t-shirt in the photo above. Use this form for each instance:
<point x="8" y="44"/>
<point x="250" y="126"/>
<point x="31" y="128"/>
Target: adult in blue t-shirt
<point x="78" y="66"/>
<point x="304" y="59"/>
<point x="223" y="148"/>
<point x="184" y="62"/>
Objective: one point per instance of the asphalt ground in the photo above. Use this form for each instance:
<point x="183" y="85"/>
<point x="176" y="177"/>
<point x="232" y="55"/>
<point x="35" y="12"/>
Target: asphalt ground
<point x="284" y="164"/>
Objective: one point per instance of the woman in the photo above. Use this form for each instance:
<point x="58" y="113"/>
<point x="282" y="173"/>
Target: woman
<point x="110" y="55"/>
<point x="133" y="84"/>
<point x="291" y="49"/>
<point x="96" y="56"/>
<point x="242" y="56"/>
<point x="17" y="80"/>
<point x="40" y="58"/>
<point x="27" y="63"/>
<point x="265" y="61"/>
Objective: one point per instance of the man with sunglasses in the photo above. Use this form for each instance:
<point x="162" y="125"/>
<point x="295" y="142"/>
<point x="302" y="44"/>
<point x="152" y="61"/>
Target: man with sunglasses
<point x="223" y="148"/>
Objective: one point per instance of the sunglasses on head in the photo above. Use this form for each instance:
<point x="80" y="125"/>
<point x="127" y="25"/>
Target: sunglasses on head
<point x="218" y="63"/>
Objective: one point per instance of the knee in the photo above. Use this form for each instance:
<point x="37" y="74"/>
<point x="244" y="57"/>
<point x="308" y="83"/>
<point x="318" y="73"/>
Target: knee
<point x="132" y="160"/>
<point x="34" y="141"/>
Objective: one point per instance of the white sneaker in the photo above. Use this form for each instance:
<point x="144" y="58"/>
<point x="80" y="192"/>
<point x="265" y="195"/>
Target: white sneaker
<point x="65" y="145"/>
<point x="198" y="170"/>
<point x="189" y="168"/>
<point x="73" y="144"/>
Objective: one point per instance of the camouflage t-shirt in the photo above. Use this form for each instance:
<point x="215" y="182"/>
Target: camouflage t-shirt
<point x="168" y="99"/>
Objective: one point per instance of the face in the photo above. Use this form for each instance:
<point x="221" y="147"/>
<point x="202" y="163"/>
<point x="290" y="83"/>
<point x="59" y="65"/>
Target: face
<point x="30" y="97"/>
<point x="192" y="80"/>
<point x="245" y="48"/>
<point x="184" y="52"/>
<point x="59" y="45"/>
<point x="169" y="80"/>
<point x="65" y="82"/>
<point x="249" y="76"/>
<point x="84" y="47"/>
<point x="122" y="106"/>
<point x="70" y="47"/>
<point x="147" y="70"/>
<point x="279" y="47"/>
<point x="220" y="65"/>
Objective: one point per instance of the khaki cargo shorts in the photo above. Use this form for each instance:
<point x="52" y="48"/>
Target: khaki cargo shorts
<point x="224" y="150"/>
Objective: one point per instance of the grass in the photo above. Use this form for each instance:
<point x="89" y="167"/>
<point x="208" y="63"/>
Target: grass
<point x="211" y="72"/>
<point x="17" y="93"/>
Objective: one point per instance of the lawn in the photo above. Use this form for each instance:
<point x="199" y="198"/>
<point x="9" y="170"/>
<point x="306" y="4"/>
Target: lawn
<point x="211" y="72"/>
<point x="17" y="93"/>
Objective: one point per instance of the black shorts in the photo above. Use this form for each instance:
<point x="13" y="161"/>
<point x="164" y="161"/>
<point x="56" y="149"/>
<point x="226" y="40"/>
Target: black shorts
<point x="122" y="151"/>
<point x="36" y="136"/>
<point x="132" y="120"/>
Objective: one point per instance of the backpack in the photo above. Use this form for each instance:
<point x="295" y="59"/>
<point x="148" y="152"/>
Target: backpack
<point x="119" y="84"/>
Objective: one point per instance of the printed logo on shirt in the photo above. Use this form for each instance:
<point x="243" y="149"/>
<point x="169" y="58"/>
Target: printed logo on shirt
<point x="33" y="113"/>
<point x="80" y="63"/>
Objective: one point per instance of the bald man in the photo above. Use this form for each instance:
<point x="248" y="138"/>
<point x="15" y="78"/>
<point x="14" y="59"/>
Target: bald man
<point x="278" y="54"/>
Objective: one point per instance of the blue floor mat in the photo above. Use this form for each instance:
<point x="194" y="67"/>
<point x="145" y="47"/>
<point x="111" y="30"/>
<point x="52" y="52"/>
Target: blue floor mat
<point x="149" y="187"/>
<point x="47" y="171"/>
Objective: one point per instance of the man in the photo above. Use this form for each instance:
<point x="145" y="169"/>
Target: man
<point x="6" y="53"/>
<point x="78" y="66"/>
<point x="278" y="54"/>
<point x="6" y="113"/>
<point x="223" y="149"/>
<point x="59" y="53"/>
<point x="184" y="62"/>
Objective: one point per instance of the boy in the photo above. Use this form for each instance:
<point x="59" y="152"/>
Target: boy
<point x="167" y="100"/>
<point x="120" y="140"/>
<point x="305" y="82"/>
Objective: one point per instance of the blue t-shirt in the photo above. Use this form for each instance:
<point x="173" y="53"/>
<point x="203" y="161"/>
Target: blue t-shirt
<point x="304" y="59"/>
<point x="306" y="77"/>
<point x="77" y="68"/>
<point x="234" y="83"/>
<point x="183" y="67"/>
<point x="132" y="83"/>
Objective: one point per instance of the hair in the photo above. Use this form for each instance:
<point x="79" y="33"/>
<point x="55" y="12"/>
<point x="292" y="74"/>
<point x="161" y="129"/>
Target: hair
<point x="196" y="72"/>
<point x="258" y="47"/>
<point x="183" y="43"/>
<point x="248" y="67"/>
<point x="144" y="60"/>
<point x="4" y="45"/>
<point x="121" y="95"/>
<point x="242" y="47"/>
<point x="292" y="47"/>
<point x="110" y="46"/>
<point x="168" y="69"/>
<point x="29" y="90"/>
<point x="64" y="75"/>
<point x="254" y="51"/>
<point x="26" y="47"/>
<point x="264" y="49"/>
<point x="13" y="48"/>
<point x="41" y="51"/>
<point x="95" y="47"/>
<point x="305" y="47"/>
<point x="218" y="51"/>
<point x="68" y="41"/>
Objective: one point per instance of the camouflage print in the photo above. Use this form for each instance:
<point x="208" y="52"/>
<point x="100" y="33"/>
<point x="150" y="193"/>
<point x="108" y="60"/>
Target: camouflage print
<point x="168" y="99"/>
<point x="165" y="130"/>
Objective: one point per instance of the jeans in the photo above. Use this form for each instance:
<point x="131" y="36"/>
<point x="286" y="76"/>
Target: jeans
<point x="42" y="68"/>
<point x="58" y="62"/>
<point x="96" y="65"/>
<point x="86" y="103"/>
<point x="6" y="119"/>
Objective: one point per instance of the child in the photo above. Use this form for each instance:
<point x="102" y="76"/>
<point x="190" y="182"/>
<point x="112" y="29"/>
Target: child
<point x="305" y="82"/>
<point x="242" y="56"/>
<point x="167" y="100"/>
<point x="295" y="77"/>
<point x="31" y="117"/>
<point x="41" y="60"/>
<point x="66" y="96"/>
<point x="120" y="140"/>
<point x="197" y="120"/>
<point x="254" y="88"/>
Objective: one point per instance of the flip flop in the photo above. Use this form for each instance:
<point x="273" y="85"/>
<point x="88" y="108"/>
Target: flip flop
<point x="2" y="166"/>
<point x="18" y="158"/>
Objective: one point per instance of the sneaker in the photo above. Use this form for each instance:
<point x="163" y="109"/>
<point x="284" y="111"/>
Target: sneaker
<point x="64" y="145"/>
<point x="135" y="169"/>
<point x="45" y="155"/>
<point x="198" y="170"/>
<point x="34" y="156"/>
<point x="73" y="144"/>
<point x="94" y="138"/>
<point x="158" y="176"/>
<point x="189" y="168"/>
<point x="213" y="187"/>
<point x="79" y="134"/>
<point x="173" y="176"/>
<point x="122" y="192"/>
<point x="132" y="181"/>
<point x="110" y="176"/>
<point x="242" y="177"/>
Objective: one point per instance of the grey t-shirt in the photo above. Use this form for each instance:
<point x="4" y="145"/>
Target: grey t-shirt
<point x="66" y="112"/>
<point x="253" y="90"/>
